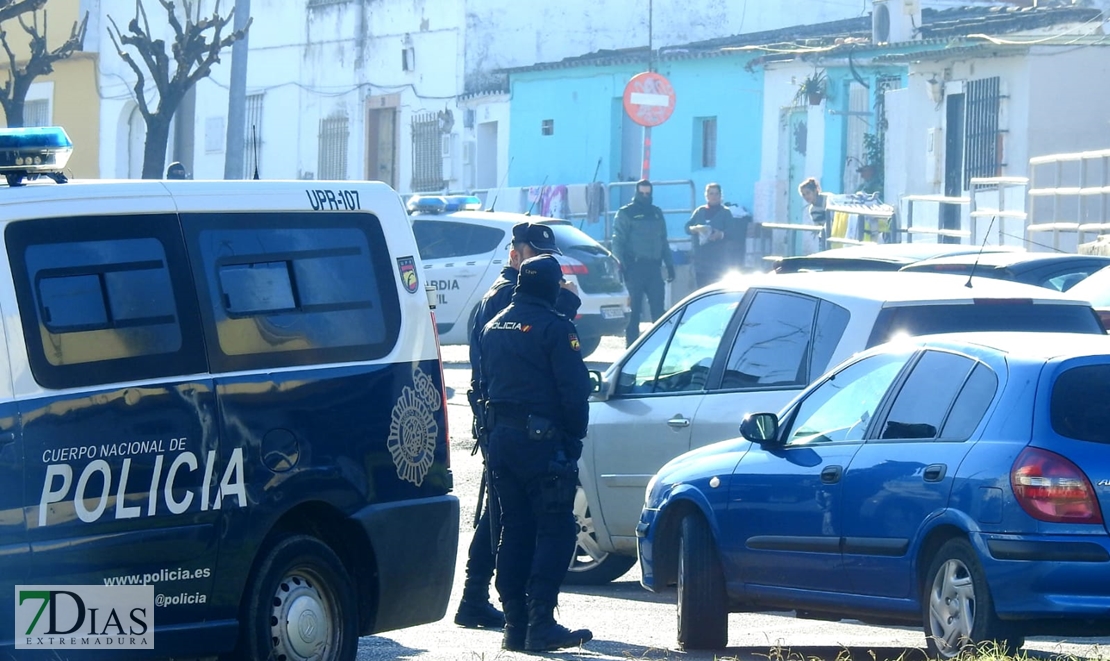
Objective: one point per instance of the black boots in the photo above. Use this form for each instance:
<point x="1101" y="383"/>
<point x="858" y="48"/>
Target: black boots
<point x="516" y="625"/>
<point x="476" y="612"/>
<point x="544" y="634"/>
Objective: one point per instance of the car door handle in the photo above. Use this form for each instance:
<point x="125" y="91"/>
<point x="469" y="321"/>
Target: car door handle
<point x="679" y="422"/>
<point x="935" y="472"/>
<point x="831" y="474"/>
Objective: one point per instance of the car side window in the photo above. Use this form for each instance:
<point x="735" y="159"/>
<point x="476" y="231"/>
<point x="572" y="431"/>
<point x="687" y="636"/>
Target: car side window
<point x="971" y="404"/>
<point x="841" y="408"/>
<point x="440" y="239"/>
<point x="773" y="345"/>
<point x="637" y="375"/>
<point x="924" y="399"/>
<point x="831" y="322"/>
<point x="690" y="355"/>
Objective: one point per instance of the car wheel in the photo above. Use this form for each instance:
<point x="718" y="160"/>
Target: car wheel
<point x="958" y="608"/>
<point x="588" y="344"/>
<point x="702" y="602"/>
<point x="300" y="605"/>
<point x="590" y="565"/>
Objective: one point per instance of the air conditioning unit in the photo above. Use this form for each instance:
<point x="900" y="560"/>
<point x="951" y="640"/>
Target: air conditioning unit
<point x="895" y="21"/>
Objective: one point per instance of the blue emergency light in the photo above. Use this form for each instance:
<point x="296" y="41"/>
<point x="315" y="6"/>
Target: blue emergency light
<point x="30" y="152"/>
<point x="437" y="204"/>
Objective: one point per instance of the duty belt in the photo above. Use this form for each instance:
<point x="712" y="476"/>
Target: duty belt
<point x="507" y="416"/>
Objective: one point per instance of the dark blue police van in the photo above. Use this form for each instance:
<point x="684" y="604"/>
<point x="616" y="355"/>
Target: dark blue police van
<point x="223" y="425"/>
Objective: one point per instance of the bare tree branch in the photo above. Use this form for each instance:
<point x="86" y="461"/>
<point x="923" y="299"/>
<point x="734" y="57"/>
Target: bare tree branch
<point x="40" y="61"/>
<point x="13" y="8"/>
<point x="196" y="47"/>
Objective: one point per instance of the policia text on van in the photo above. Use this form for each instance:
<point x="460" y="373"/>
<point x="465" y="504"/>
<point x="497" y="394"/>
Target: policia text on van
<point x="224" y="397"/>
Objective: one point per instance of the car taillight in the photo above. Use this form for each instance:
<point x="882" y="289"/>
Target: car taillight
<point x="1104" y="315"/>
<point x="1051" y="488"/>
<point x="442" y="389"/>
<point x="575" y="268"/>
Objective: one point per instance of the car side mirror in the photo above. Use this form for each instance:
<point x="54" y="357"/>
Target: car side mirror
<point x="762" y="428"/>
<point x="597" y="382"/>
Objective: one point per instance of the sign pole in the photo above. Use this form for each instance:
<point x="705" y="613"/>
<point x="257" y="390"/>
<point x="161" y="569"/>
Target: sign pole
<point x="647" y="153"/>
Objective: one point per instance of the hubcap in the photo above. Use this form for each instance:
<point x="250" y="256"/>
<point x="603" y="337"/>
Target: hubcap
<point x="302" y="623"/>
<point x="952" y="608"/>
<point x="588" y="555"/>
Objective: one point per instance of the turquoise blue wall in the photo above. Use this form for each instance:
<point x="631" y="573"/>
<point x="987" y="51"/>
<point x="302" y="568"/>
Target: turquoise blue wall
<point x="585" y="104"/>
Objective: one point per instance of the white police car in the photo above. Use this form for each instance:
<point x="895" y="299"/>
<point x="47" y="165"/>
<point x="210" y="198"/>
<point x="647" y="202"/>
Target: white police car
<point x="223" y="421"/>
<point x="464" y="249"/>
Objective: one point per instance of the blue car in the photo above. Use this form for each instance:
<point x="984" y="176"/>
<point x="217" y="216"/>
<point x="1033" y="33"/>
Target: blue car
<point x="955" y="480"/>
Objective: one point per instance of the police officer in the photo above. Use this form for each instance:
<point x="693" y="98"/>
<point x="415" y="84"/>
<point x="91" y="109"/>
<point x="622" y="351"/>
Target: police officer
<point x="537" y="386"/>
<point x="640" y="244"/>
<point x="529" y="240"/>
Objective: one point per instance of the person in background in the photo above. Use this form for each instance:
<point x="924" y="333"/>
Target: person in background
<point x="715" y="232"/>
<point x="810" y="191"/>
<point x="640" y="244"/>
<point x="176" y="171"/>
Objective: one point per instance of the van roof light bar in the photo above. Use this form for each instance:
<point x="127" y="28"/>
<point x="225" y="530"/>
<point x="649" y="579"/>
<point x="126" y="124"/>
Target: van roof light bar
<point x="27" y="153"/>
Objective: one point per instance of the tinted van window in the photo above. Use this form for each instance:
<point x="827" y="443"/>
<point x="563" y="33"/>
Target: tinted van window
<point x="289" y="289"/>
<point x="928" y="319"/>
<point x="103" y="301"/>
<point x="1073" y="414"/>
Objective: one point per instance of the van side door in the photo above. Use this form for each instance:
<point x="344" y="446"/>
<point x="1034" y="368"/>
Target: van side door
<point x="118" y="414"/>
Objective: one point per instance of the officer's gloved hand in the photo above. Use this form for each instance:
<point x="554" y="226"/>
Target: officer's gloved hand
<point x="573" y="448"/>
<point x="670" y="274"/>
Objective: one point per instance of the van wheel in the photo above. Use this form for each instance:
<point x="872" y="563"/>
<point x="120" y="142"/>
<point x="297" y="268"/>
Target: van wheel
<point x="301" y="605"/>
<point x="957" y="604"/>
<point x="702" y="601"/>
<point x="590" y="565"/>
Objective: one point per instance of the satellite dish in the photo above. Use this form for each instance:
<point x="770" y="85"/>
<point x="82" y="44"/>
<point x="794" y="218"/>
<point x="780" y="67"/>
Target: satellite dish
<point x="880" y="23"/>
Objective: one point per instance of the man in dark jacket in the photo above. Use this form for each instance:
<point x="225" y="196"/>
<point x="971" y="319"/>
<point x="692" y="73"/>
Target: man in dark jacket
<point x="717" y="237"/>
<point x="529" y="240"/>
<point x="537" y="387"/>
<point x="640" y="244"/>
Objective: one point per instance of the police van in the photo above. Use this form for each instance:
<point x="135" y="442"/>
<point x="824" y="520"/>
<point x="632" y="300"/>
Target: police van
<point x="222" y="397"/>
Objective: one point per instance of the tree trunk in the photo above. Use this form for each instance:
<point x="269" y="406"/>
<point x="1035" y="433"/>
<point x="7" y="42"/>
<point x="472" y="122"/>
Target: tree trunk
<point x="157" y="141"/>
<point x="13" y="113"/>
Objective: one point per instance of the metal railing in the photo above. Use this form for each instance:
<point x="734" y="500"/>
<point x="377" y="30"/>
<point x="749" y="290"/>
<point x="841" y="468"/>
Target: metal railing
<point x="1077" y="199"/>
<point x="999" y="213"/>
<point x="938" y="232"/>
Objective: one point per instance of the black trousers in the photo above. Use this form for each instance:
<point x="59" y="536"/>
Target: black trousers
<point x="643" y="279"/>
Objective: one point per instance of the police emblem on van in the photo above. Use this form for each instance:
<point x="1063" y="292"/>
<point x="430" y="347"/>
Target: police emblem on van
<point x="406" y="267"/>
<point x="413" y="428"/>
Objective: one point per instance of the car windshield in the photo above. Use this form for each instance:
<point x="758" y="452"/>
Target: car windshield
<point x="996" y="316"/>
<point x="1073" y="414"/>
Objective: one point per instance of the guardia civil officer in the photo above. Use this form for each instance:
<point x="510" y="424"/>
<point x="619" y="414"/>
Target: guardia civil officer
<point x="529" y="240"/>
<point x="640" y="244"/>
<point x="537" y="387"/>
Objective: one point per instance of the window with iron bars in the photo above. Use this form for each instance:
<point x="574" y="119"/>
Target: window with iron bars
<point x="36" y="113"/>
<point x="332" y="161"/>
<point x="427" y="153"/>
<point x="252" y="137"/>
<point x="982" y="137"/>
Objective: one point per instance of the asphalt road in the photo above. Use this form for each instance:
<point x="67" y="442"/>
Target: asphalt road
<point x="629" y="622"/>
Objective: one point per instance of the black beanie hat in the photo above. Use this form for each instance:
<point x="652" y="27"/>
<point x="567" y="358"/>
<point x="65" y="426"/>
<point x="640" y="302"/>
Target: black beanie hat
<point x="540" y="276"/>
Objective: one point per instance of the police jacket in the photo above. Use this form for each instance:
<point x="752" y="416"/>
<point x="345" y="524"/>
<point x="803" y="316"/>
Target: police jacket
<point x="640" y="234"/>
<point x="498" y="297"/>
<point x="531" y="363"/>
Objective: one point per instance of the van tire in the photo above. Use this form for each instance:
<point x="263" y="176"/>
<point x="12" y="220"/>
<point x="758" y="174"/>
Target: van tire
<point x="300" y="597"/>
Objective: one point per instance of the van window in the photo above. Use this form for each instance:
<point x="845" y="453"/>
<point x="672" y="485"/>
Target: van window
<point x="104" y="301"/>
<point x="443" y="239"/>
<point x="293" y="289"/>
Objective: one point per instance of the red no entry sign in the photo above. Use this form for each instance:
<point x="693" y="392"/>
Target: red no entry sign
<point x="649" y="99"/>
